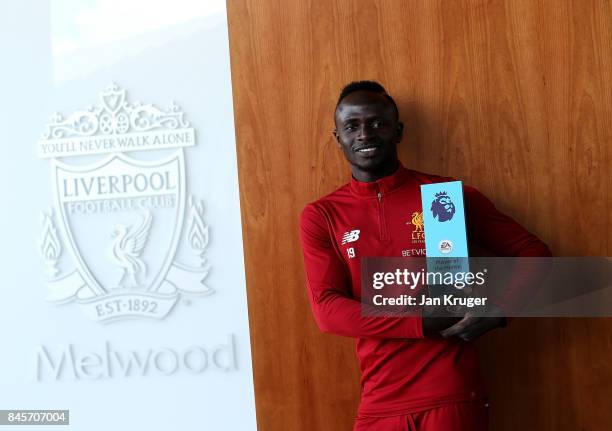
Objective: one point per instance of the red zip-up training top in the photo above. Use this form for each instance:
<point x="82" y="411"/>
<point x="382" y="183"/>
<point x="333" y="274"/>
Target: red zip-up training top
<point x="402" y="371"/>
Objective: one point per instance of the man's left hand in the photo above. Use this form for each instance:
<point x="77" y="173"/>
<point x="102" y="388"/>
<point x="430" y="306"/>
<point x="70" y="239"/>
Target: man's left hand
<point x="471" y="326"/>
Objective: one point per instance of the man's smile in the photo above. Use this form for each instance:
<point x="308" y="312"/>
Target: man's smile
<point x="369" y="149"/>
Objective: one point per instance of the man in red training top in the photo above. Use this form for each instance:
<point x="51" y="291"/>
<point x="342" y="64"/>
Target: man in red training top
<point x="418" y="373"/>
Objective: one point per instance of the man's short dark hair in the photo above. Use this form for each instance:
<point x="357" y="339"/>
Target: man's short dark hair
<point x="371" y="86"/>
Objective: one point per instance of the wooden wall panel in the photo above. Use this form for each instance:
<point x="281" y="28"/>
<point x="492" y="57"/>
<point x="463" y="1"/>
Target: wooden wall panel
<point x="514" y="97"/>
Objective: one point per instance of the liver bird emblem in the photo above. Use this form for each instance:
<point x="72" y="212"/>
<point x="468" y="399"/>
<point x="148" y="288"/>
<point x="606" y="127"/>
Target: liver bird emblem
<point x="127" y="248"/>
<point x="417" y="221"/>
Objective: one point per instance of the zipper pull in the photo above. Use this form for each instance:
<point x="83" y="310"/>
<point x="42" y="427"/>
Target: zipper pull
<point x="379" y="196"/>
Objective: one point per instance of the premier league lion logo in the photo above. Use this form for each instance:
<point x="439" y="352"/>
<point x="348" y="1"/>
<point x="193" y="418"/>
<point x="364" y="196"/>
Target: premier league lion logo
<point x="442" y="207"/>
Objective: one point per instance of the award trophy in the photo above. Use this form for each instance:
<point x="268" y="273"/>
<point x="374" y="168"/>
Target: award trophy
<point x="446" y="247"/>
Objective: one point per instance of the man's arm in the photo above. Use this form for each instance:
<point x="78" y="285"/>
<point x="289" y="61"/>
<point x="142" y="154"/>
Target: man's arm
<point x="503" y="236"/>
<point x="334" y="308"/>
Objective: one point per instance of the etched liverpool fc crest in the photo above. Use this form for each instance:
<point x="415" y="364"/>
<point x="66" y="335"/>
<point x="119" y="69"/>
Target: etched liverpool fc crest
<point x="122" y="217"/>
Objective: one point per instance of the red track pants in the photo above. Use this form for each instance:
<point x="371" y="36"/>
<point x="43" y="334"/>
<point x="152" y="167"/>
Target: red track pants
<point x="468" y="416"/>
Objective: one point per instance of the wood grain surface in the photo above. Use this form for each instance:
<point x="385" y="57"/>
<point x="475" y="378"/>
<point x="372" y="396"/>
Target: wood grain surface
<point x="513" y="97"/>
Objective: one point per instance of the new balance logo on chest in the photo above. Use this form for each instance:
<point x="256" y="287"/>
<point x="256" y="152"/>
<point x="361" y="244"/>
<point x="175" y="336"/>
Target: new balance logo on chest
<point x="350" y="236"/>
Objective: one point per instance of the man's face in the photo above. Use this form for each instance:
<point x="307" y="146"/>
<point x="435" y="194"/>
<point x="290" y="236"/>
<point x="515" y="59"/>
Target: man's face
<point x="367" y="130"/>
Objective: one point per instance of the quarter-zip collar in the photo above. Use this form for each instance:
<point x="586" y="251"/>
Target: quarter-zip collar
<point x="382" y="186"/>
